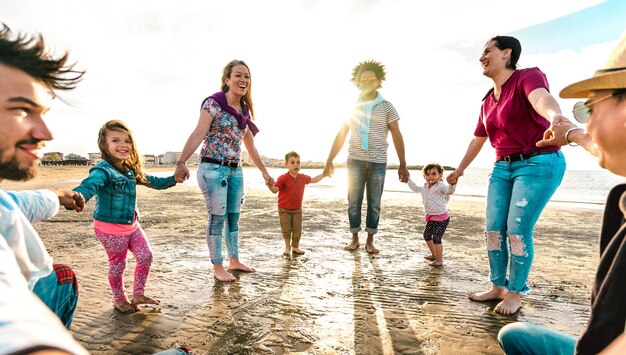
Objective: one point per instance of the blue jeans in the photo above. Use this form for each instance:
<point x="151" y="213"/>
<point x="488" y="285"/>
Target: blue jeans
<point x="60" y="297"/>
<point x="222" y="188"/>
<point x="528" y="338"/>
<point x="518" y="193"/>
<point x="364" y="175"/>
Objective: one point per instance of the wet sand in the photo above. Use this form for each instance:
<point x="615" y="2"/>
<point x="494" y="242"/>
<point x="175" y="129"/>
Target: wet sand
<point x="328" y="301"/>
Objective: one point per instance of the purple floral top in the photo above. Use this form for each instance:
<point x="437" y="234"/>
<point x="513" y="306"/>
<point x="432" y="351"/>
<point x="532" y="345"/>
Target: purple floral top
<point x="223" y="141"/>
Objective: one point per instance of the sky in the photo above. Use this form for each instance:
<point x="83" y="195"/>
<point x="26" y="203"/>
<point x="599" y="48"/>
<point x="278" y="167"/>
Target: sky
<point x="151" y="63"/>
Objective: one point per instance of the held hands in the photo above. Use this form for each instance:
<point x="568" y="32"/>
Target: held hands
<point x="403" y="173"/>
<point x="329" y="169"/>
<point x="269" y="181"/>
<point x="555" y="134"/>
<point x="71" y="200"/>
<point x="181" y="173"/>
<point x="453" y="177"/>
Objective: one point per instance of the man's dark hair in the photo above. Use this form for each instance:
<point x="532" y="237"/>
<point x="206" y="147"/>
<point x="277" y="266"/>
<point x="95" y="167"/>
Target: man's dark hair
<point x="28" y="54"/>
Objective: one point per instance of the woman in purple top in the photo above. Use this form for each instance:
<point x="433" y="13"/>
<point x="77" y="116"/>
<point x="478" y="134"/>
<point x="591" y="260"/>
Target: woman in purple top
<point x="225" y="122"/>
<point x="514" y="115"/>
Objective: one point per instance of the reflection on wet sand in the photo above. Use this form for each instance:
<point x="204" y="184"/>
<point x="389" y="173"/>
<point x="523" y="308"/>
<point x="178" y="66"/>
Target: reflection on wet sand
<point x="328" y="301"/>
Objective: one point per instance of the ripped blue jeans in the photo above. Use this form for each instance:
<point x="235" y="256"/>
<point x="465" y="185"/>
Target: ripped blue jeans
<point x="517" y="194"/>
<point x="222" y="188"/>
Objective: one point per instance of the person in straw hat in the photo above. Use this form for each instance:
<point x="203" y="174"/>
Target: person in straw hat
<point x="605" y="116"/>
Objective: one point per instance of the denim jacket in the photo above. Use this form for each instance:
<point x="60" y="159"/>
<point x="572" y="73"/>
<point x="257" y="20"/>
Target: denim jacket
<point x="116" y="192"/>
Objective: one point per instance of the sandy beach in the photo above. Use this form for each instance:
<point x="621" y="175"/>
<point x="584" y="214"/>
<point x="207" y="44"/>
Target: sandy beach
<point x="328" y="301"/>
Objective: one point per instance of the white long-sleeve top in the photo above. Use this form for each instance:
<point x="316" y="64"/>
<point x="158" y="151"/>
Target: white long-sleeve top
<point x="17" y="211"/>
<point x="435" y="198"/>
<point x="25" y="322"/>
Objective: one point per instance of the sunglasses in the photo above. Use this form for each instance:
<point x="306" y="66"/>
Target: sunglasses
<point x="368" y="80"/>
<point x="582" y="110"/>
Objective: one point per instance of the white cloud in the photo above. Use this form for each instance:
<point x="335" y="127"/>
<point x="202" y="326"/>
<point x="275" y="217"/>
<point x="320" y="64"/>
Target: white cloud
<point x="150" y="63"/>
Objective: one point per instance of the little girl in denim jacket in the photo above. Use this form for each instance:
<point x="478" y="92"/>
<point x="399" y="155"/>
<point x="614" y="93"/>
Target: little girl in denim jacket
<point x="116" y="219"/>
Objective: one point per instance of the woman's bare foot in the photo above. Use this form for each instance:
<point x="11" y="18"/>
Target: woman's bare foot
<point x="436" y="263"/>
<point x="236" y="265"/>
<point x="429" y="257"/>
<point x="370" y="248"/>
<point x="496" y="293"/>
<point x="511" y="303"/>
<point x="126" y="307"/>
<point x="142" y="299"/>
<point x="222" y="275"/>
<point x="297" y="251"/>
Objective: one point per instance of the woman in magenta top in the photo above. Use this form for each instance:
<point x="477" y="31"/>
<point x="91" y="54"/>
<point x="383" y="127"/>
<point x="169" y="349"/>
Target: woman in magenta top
<point x="514" y="116"/>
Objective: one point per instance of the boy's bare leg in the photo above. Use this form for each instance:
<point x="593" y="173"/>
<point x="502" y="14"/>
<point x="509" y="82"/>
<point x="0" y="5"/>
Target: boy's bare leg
<point x="287" y="250"/>
<point x="369" y="244"/>
<point x="221" y="274"/>
<point x="143" y="299"/>
<point x="354" y="244"/>
<point x="431" y="247"/>
<point x="236" y="265"/>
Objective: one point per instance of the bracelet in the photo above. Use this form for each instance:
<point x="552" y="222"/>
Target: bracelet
<point x="180" y="162"/>
<point x="570" y="143"/>
<point x="459" y="172"/>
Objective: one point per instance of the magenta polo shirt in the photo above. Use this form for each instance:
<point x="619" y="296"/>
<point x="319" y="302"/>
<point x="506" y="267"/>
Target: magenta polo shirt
<point x="511" y="123"/>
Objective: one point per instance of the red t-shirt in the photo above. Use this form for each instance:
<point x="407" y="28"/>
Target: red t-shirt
<point x="291" y="191"/>
<point x="511" y="123"/>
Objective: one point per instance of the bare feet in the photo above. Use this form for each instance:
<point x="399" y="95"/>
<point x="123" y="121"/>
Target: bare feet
<point x="369" y="244"/>
<point x="370" y="248"/>
<point x="142" y="299"/>
<point x="222" y="275"/>
<point x="496" y="293"/>
<point x="436" y="263"/>
<point x="429" y="257"/>
<point x="297" y="251"/>
<point x="287" y="252"/>
<point x="126" y="307"/>
<point x="510" y="305"/>
<point x="352" y="246"/>
<point x="236" y="265"/>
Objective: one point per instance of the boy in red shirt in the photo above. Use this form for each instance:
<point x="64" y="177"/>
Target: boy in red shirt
<point x="291" y="187"/>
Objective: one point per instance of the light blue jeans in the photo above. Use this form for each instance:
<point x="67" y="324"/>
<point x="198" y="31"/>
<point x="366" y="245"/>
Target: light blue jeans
<point x="532" y="339"/>
<point x="60" y="297"/>
<point x="517" y="194"/>
<point x="222" y="188"/>
<point x="364" y="175"/>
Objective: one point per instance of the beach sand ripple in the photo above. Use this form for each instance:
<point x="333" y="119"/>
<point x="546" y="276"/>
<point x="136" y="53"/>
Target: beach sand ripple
<point x="328" y="301"/>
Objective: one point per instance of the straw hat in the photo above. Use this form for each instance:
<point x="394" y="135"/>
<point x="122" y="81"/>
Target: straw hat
<point x="612" y="76"/>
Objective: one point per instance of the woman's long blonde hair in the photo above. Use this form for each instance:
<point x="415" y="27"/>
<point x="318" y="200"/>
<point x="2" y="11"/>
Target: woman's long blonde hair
<point x="228" y="70"/>
<point x="133" y="162"/>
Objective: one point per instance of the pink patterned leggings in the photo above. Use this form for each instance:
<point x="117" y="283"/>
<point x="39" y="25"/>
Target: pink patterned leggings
<point x="117" y="247"/>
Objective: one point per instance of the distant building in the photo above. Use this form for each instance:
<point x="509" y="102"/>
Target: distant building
<point x="245" y="158"/>
<point x="149" y="159"/>
<point x="94" y="158"/>
<point x="75" y="159"/>
<point x="171" y="158"/>
<point x="52" y="156"/>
